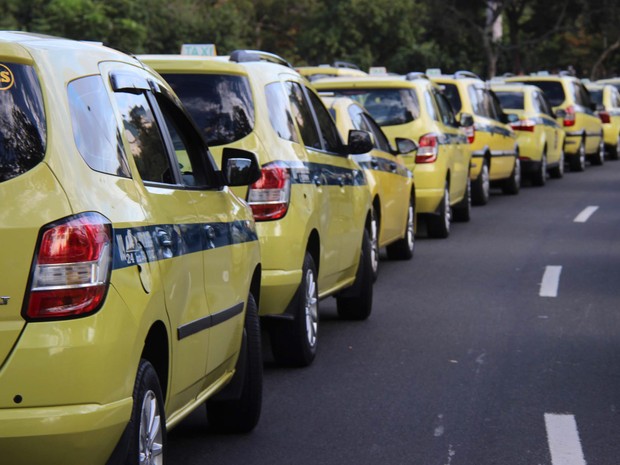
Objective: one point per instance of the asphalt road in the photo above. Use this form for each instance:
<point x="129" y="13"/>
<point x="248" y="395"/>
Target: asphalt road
<point x="462" y="361"/>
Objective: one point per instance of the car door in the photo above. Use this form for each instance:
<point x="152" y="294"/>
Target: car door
<point x="175" y="232"/>
<point x="504" y="140"/>
<point x="553" y="131"/>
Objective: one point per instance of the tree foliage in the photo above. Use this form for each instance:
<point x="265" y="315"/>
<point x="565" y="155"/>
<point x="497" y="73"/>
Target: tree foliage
<point x="402" y="35"/>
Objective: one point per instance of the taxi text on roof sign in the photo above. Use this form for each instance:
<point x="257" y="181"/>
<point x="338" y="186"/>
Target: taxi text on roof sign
<point x="206" y="50"/>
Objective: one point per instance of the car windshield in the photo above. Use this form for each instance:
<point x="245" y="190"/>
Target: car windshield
<point x="553" y="91"/>
<point x="511" y="100"/>
<point x="388" y="107"/>
<point x="221" y="105"/>
<point x="22" y="120"/>
<point x="452" y="94"/>
<point x="596" y="95"/>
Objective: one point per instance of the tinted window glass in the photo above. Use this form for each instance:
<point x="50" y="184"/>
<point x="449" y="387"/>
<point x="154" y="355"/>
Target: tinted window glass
<point x="388" y="107"/>
<point x="279" y="114"/>
<point x="445" y="109"/>
<point x="615" y="98"/>
<point x="553" y="91"/>
<point x="597" y="96"/>
<point x="381" y="141"/>
<point x="430" y="106"/>
<point x="221" y="105"/>
<point x="302" y="115"/>
<point x="143" y="135"/>
<point x="22" y="120"/>
<point x="511" y="100"/>
<point x="357" y="117"/>
<point x="477" y="98"/>
<point x="452" y="94"/>
<point x="95" y="131"/>
<point x="543" y="104"/>
<point x="329" y="131"/>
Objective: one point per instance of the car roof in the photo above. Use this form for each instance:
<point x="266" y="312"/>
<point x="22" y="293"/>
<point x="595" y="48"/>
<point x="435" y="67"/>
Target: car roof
<point x="513" y="87"/>
<point x="363" y="82"/>
<point x="191" y="64"/>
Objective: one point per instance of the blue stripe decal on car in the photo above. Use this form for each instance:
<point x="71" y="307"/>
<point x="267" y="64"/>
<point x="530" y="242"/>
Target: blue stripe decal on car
<point x="327" y="175"/>
<point x="134" y="246"/>
<point x="381" y="164"/>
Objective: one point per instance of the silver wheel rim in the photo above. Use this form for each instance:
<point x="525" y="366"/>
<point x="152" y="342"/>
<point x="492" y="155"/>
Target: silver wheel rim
<point x="582" y="156"/>
<point x="601" y="150"/>
<point x="374" y="249"/>
<point x="151" y="435"/>
<point x="517" y="172"/>
<point x="561" y="167"/>
<point x="544" y="167"/>
<point x="618" y="148"/>
<point x="447" y="214"/>
<point x="410" y="228"/>
<point x="311" y="309"/>
<point x="486" y="184"/>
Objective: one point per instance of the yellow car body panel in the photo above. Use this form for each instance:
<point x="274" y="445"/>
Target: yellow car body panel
<point x="66" y="385"/>
<point x="453" y="158"/>
<point x="541" y="134"/>
<point x="328" y="196"/>
<point x="390" y="182"/>
<point x="313" y="73"/>
<point x="607" y="98"/>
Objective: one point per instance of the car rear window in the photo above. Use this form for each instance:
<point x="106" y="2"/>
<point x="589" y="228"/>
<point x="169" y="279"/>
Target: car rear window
<point x="597" y="96"/>
<point x="221" y="105"/>
<point x="554" y="91"/>
<point x="388" y="107"/>
<point x="511" y="100"/>
<point x="22" y="120"/>
<point x="452" y="94"/>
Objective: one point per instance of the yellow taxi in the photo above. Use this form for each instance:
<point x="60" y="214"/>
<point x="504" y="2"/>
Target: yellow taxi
<point x="390" y="182"/>
<point x="573" y="107"/>
<point x="337" y="69"/>
<point x="130" y="272"/>
<point x="540" y="137"/>
<point x="606" y="97"/>
<point x="414" y="108"/>
<point x="614" y="81"/>
<point x="495" y="152"/>
<point x="312" y="204"/>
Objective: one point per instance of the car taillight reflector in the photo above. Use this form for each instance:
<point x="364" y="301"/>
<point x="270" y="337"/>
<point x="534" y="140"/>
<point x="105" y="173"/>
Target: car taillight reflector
<point x="428" y="147"/>
<point x="269" y="196"/>
<point x="569" y="117"/>
<point x="524" y="125"/>
<point x="470" y="132"/>
<point x="71" y="269"/>
<point x="604" y="116"/>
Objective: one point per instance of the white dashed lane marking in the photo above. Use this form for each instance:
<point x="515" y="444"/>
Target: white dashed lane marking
<point x="585" y="214"/>
<point x="550" y="282"/>
<point x="563" y="439"/>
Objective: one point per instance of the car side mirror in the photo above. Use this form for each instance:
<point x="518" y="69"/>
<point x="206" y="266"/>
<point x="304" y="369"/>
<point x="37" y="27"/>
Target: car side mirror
<point x="239" y="167"/>
<point x="359" y="142"/>
<point x="511" y="118"/>
<point x="466" y="120"/>
<point x="560" y="113"/>
<point x="405" y="146"/>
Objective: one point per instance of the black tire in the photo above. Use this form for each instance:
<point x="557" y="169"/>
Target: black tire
<point x="294" y="342"/>
<point x="557" y="172"/>
<point x="237" y="408"/>
<point x="146" y="432"/>
<point x="614" y="150"/>
<point x="539" y="177"/>
<point x="438" y="226"/>
<point x="355" y="303"/>
<point x="512" y="185"/>
<point x="404" y="248"/>
<point x="481" y="187"/>
<point x="599" y="157"/>
<point x="374" y="241"/>
<point x="578" y="162"/>
<point x="462" y="210"/>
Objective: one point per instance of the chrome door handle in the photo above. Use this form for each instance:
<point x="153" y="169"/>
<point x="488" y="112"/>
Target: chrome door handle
<point x="164" y="238"/>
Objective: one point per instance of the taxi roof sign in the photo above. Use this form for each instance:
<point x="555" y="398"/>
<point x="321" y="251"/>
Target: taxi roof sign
<point x="377" y="70"/>
<point x="204" y="50"/>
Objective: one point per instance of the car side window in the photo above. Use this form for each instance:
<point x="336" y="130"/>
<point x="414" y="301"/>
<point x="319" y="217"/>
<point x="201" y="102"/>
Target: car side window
<point x="142" y="133"/>
<point x="96" y="133"/>
<point x="445" y="109"/>
<point x="279" y="113"/>
<point x="302" y="115"/>
<point x="615" y="98"/>
<point x="381" y="141"/>
<point x="430" y="106"/>
<point x="329" y="131"/>
<point x="357" y="118"/>
<point x="476" y="97"/>
<point x="536" y="106"/>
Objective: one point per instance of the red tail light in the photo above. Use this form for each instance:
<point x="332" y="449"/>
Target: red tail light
<point x="604" y="116"/>
<point x="71" y="269"/>
<point x="269" y="196"/>
<point x="428" y="147"/>
<point x="569" y="118"/>
<point x="470" y="132"/>
<point x="524" y="125"/>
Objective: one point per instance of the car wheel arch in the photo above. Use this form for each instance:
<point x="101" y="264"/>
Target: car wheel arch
<point x="313" y="247"/>
<point x="156" y="351"/>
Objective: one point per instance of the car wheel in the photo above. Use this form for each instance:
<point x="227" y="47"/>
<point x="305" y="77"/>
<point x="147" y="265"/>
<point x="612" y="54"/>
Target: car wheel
<point x="614" y="153"/>
<point x="599" y="157"/>
<point x="578" y="161"/>
<point x="481" y="188"/>
<point x="513" y="183"/>
<point x="403" y="248"/>
<point x="557" y="172"/>
<point x="462" y="210"/>
<point x="237" y="408"/>
<point x="374" y="241"/>
<point x="438" y="226"/>
<point x="355" y="303"/>
<point x="147" y="426"/>
<point x="294" y="342"/>
<point x="539" y="178"/>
